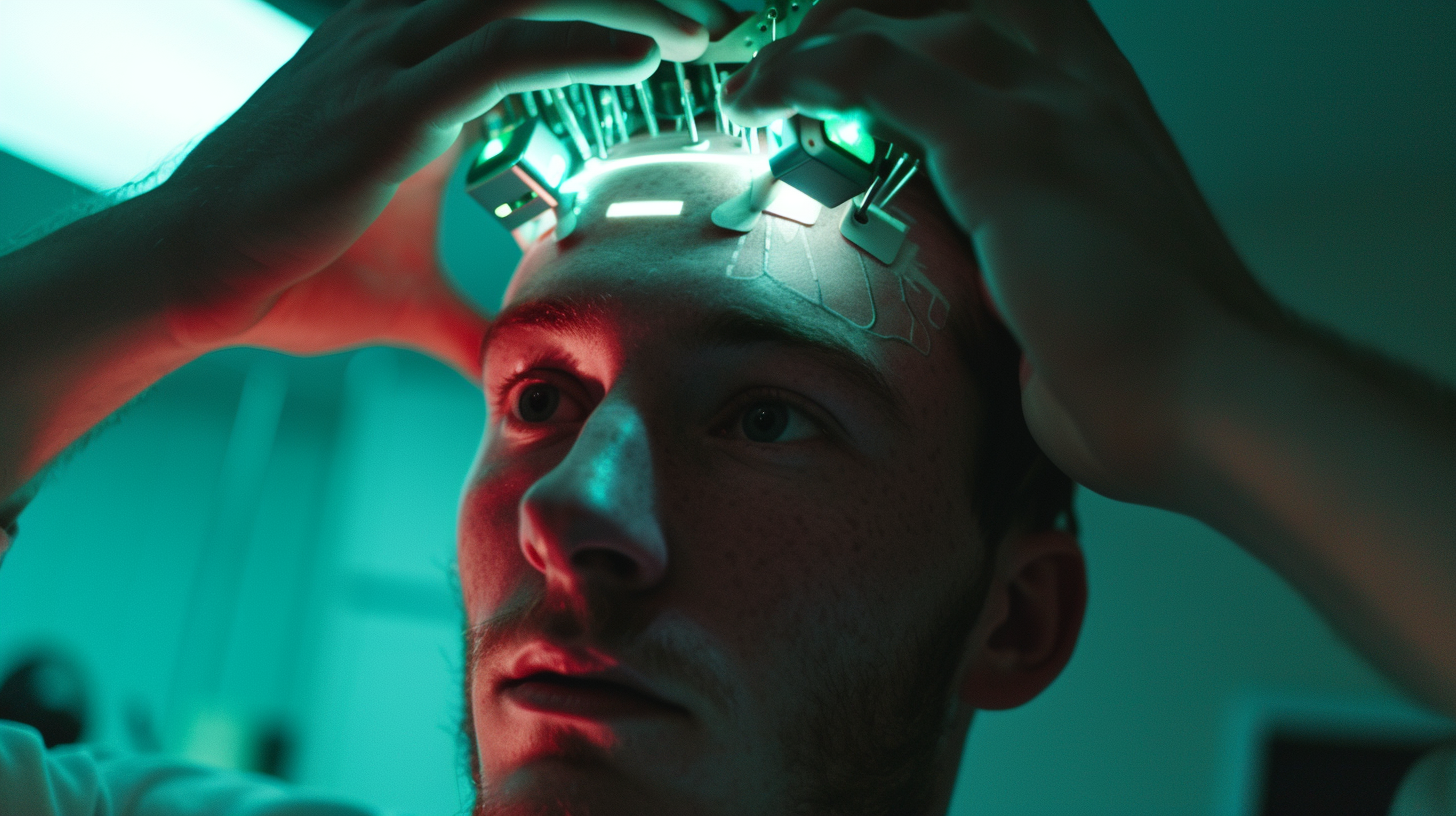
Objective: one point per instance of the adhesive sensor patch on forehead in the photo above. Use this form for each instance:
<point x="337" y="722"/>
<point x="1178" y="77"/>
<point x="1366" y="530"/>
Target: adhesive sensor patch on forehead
<point x="539" y="147"/>
<point x="895" y="302"/>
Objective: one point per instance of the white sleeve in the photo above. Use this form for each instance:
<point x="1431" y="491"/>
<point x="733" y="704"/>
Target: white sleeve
<point x="77" y="782"/>
<point x="1429" y="788"/>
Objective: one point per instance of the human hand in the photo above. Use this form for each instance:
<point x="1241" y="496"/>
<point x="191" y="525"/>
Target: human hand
<point x="1094" y="243"/>
<point x="275" y="208"/>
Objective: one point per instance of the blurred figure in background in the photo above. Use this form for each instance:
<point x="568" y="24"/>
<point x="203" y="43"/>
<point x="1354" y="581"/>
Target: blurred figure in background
<point x="48" y="693"/>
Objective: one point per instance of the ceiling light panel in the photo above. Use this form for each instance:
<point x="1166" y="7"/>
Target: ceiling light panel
<point x="103" y="93"/>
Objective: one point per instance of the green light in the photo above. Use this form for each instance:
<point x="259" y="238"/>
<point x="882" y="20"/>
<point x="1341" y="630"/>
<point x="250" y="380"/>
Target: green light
<point x="502" y="211"/>
<point x="493" y="148"/>
<point x="555" y="170"/>
<point x="847" y="135"/>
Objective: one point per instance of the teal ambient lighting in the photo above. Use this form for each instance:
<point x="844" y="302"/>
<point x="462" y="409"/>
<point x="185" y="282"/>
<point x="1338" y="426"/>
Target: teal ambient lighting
<point x="103" y="93"/>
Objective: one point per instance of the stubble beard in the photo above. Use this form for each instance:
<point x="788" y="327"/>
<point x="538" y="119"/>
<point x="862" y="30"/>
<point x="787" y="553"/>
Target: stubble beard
<point x="881" y="761"/>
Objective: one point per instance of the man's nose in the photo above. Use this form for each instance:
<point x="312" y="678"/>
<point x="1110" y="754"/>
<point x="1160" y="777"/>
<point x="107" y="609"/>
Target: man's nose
<point x="592" y="518"/>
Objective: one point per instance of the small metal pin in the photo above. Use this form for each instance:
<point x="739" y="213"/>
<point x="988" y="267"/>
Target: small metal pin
<point x="563" y="106"/>
<point x="889" y="177"/>
<point x="718" y="119"/>
<point x="618" y="116"/>
<point x="609" y="122"/>
<point x="596" y="121"/>
<point x="529" y="101"/>
<point x="687" y="100"/>
<point x="885" y="201"/>
<point x="863" y="205"/>
<point x="644" y="100"/>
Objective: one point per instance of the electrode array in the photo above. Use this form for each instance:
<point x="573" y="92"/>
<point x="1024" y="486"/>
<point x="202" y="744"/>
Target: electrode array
<point x="535" y="142"/>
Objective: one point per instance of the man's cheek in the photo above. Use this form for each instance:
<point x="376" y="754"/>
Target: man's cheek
<point x="489" y="553"/>
<point x="761" y="553"/>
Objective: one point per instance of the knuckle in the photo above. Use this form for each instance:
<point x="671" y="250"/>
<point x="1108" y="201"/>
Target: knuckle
<point x="862" y="52"/>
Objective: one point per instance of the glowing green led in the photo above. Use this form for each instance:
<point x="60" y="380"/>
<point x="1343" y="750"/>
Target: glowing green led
<point x="829" y="160"/>
<point x="847" y="135"/>
<point x="502" y="211"/>
<point x="555" y="170"/>
<point x="493" y="148"/>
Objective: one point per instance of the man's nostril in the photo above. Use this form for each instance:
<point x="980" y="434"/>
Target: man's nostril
<point x="606" y="562"/>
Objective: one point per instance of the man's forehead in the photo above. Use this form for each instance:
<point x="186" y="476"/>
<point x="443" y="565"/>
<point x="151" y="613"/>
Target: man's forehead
<point x="647" y="229"/>
<point x="653" y="313"/>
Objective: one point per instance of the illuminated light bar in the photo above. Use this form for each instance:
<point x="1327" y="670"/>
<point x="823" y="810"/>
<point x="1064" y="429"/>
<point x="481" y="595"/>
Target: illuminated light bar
<point x="103" y="93"/>
<point x="829" y="161"/>
<point x="643" y="209"/>
<point x="583" y="180"/>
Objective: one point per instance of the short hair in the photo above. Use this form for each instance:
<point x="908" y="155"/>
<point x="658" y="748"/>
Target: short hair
<point x="1015" y="487"/>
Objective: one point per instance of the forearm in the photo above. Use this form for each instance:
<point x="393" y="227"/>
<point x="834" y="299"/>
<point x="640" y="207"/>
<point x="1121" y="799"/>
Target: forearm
<point x="83" y="329"/>
<point x="1337" y="469"/>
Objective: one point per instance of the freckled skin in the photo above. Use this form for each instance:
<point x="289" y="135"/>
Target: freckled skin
<point x="809" y="580"/>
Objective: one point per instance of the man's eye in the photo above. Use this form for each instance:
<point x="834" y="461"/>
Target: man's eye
<point x="776" y="421"/>
<point x="538" y="402"/>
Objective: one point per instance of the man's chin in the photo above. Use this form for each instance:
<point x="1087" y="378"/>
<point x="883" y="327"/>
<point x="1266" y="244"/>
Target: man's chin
<point x="573" y="785"/>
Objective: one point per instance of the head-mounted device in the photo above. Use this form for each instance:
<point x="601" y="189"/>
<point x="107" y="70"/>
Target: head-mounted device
<point x="536" y="141"/>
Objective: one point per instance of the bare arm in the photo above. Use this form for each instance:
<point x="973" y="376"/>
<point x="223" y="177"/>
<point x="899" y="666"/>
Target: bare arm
<point x="82" y="328"/>
<point x="306" y="222"/>
<point x="1161" y="372"/>
<point x="1338" y="469"/>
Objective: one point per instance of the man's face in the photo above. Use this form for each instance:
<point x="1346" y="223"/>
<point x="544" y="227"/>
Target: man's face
<point x="717" y="551"/>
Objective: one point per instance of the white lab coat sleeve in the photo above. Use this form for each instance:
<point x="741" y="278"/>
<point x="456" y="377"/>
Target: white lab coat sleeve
<point x="1429" y="788"/>
<point x="75" y="781"/>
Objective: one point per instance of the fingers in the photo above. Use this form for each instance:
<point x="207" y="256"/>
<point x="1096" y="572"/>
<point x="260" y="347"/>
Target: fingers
<point x="866" y="71"/>
<point x="508" y="56"/>
<point x="1068" y="33"/>
<point x="435" y="25"/>
<point x="680" y="38"/>
<point x="866" y="62"/>
<point x="718" y="17"/>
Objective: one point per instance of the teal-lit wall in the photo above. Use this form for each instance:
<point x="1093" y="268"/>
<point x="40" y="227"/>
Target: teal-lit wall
<point x="269" y="540"/>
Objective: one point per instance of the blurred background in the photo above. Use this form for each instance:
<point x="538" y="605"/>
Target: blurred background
<point x="252" y="566"/>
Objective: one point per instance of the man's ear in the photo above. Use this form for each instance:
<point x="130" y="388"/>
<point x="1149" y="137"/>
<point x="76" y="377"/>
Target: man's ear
<point x="1030" y="621"/>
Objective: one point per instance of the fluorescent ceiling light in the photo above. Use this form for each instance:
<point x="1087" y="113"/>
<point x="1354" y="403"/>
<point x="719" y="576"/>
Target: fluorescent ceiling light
<point x="638" y="209"/>
<point x="103" y="92"/>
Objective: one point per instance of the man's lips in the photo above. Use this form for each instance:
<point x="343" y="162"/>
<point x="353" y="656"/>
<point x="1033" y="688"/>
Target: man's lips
<point x="551" y="680"/>
<point x="586" y="697"/>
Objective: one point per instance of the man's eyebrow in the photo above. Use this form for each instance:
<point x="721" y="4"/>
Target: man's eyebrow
<point x="735" y="327"/>
<point x="559" y="314"/>
<point x="729" y="327"/>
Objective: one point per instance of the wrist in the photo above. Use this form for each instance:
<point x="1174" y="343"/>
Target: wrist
<point x="1241" y="361"/>
<point x="198" y="304"/>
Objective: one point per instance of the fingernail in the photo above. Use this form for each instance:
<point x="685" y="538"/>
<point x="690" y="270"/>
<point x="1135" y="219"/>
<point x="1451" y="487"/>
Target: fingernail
<point x="688" y="25"/>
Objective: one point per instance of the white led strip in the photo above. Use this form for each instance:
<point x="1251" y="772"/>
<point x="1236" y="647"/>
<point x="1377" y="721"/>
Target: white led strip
<point x="642" y="209"/>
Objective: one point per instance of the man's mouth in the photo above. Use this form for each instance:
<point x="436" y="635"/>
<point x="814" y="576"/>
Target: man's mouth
<point x="592" y="697"/>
